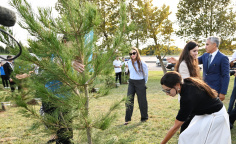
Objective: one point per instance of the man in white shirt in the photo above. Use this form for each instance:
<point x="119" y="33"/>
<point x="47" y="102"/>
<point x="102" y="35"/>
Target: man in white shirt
<point x="117" y="67"/>
<point x="124" y="72"/>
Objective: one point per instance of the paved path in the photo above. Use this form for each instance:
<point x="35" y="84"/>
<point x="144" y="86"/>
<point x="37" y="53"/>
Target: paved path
<point x="151" y="62"/>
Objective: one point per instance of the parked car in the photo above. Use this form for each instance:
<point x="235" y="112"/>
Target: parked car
<point x="127" y="58"/>
<point x="170" y="66"/>
<point x="164" y="62"/>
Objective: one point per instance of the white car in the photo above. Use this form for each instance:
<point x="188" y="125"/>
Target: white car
<point x="164" y="60"/>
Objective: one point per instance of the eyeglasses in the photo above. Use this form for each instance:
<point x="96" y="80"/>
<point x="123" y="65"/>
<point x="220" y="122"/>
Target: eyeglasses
<point x="134" y="53"/>
<point x="166" y="91"/>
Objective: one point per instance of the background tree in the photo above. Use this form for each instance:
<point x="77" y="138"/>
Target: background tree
<point x="6" y="40"/>
<point x="165" y="50"/>
<point x="199" y="19"/>
<point x="157" y="26"/>
<point x="80" y="22"/>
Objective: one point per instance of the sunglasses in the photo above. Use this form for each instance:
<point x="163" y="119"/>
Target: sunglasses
<point x="134" y="53"/>
<point x="166" y="91"/>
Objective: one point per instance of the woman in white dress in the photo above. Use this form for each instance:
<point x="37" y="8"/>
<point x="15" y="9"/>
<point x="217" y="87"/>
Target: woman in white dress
<point x="187" y="66"/>
<point x="210" y="124"/>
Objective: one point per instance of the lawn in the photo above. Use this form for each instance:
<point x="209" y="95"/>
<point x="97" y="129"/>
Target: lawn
<point x="15" y="128"/>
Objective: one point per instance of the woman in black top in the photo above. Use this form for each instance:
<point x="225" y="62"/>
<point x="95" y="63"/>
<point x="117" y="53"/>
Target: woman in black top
<point x="210" y="123"/>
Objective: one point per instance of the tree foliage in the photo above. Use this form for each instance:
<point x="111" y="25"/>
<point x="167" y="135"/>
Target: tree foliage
<point x="199" y="19"/>
<point x="165" y="50"/>
<point x="157" y="26"/>
<point x="79" y="21"/>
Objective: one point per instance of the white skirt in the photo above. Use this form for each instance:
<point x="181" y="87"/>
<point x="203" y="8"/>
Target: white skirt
<point x="208" y="129"/>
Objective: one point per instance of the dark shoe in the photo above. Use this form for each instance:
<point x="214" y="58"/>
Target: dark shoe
<point x="126" y="123"/>
<point x="144" y="120"/>
<point x="231" y="126"/>
<point x="51" y="141"/>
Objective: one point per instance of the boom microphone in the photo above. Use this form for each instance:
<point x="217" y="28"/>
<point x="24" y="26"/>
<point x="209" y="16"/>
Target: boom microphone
<point x="7" y="17"/>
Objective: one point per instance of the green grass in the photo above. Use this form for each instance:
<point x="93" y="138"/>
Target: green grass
<point x="162" y="112"/>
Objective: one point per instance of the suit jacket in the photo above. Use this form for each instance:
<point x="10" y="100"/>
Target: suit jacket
<point x="8" y="70"/>
<point x="217" y="75"/>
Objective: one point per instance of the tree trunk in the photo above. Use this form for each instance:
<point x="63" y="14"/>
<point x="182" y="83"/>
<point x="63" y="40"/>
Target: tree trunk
<point x="162" y="64"/>
<point x="159" y="55"/>
<point x="88" y="129"/>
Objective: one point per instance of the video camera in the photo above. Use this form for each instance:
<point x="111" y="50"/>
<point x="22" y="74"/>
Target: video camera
<point x="232" y="69"/>
<point x="231" y="72"/>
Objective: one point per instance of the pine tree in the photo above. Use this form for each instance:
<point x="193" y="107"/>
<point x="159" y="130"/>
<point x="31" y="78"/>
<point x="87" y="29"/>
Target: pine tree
<point x="79" y="24"/>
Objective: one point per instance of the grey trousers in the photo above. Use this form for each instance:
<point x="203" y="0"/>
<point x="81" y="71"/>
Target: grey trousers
<point x="138" y="87"/>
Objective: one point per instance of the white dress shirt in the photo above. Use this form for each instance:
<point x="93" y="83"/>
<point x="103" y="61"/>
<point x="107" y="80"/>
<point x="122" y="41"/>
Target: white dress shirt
<point x="213" y="55"/>
<point x="117" y="63"/>
<point x="138" y="75"/>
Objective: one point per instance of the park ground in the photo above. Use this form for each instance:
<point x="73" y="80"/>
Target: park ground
<point x="16" y="129"/>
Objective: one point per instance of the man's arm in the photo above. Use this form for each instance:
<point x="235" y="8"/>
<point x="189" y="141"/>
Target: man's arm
<point x="172" y="60"/>
<point x="224" y="77"/>
<point x="200" y="59"/>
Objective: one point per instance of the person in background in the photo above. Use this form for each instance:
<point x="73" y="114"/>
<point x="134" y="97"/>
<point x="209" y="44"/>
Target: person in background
<point x="232" y="108"/>
<point x="137" y="84"/>
<point x="210" y="123"/>
<point x="8" y="68"/>
<point x="64" y="134"/>
<point x="117" y="67"/>
<point x="124" y="67"/>
<point x="3" y="76"/>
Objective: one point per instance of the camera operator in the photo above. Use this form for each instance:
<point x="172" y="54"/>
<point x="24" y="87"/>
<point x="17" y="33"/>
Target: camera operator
<point x="232" y="108"/>
<point x="232" y="67"/>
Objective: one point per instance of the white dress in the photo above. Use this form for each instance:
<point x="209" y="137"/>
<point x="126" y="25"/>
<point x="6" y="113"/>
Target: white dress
<point x="208" y="129"/>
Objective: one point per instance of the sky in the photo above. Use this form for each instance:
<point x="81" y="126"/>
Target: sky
<point x="22" y="35"/>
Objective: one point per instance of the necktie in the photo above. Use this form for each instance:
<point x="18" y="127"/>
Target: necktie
<point x="209" y="60"/>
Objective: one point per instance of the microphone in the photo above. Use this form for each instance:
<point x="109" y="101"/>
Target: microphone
<point x="7" y="17"/>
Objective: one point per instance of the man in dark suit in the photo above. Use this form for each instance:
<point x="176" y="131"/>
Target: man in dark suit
<point x="8" y="68"/>
<point x="215" y="67"/>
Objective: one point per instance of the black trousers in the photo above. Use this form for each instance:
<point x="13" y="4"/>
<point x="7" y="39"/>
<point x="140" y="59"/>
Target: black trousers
<point x="64" y="135"/>
<point x="118" y="75"/>
<point x="4" y="80"/>
<point x="13" y="86"/>
<point x="138" y="87"/>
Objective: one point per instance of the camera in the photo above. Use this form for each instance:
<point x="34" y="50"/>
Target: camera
<point x="232" y="72"/>
<point x="232" y="69"/>
<point x="234" y="66"/>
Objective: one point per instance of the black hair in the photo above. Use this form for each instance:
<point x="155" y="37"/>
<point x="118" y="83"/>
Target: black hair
<point x="170" y="79"/>
<point x="8" y="57"/>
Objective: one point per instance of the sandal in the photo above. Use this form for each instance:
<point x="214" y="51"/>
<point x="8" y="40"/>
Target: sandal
<point x="126" y="123"/>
